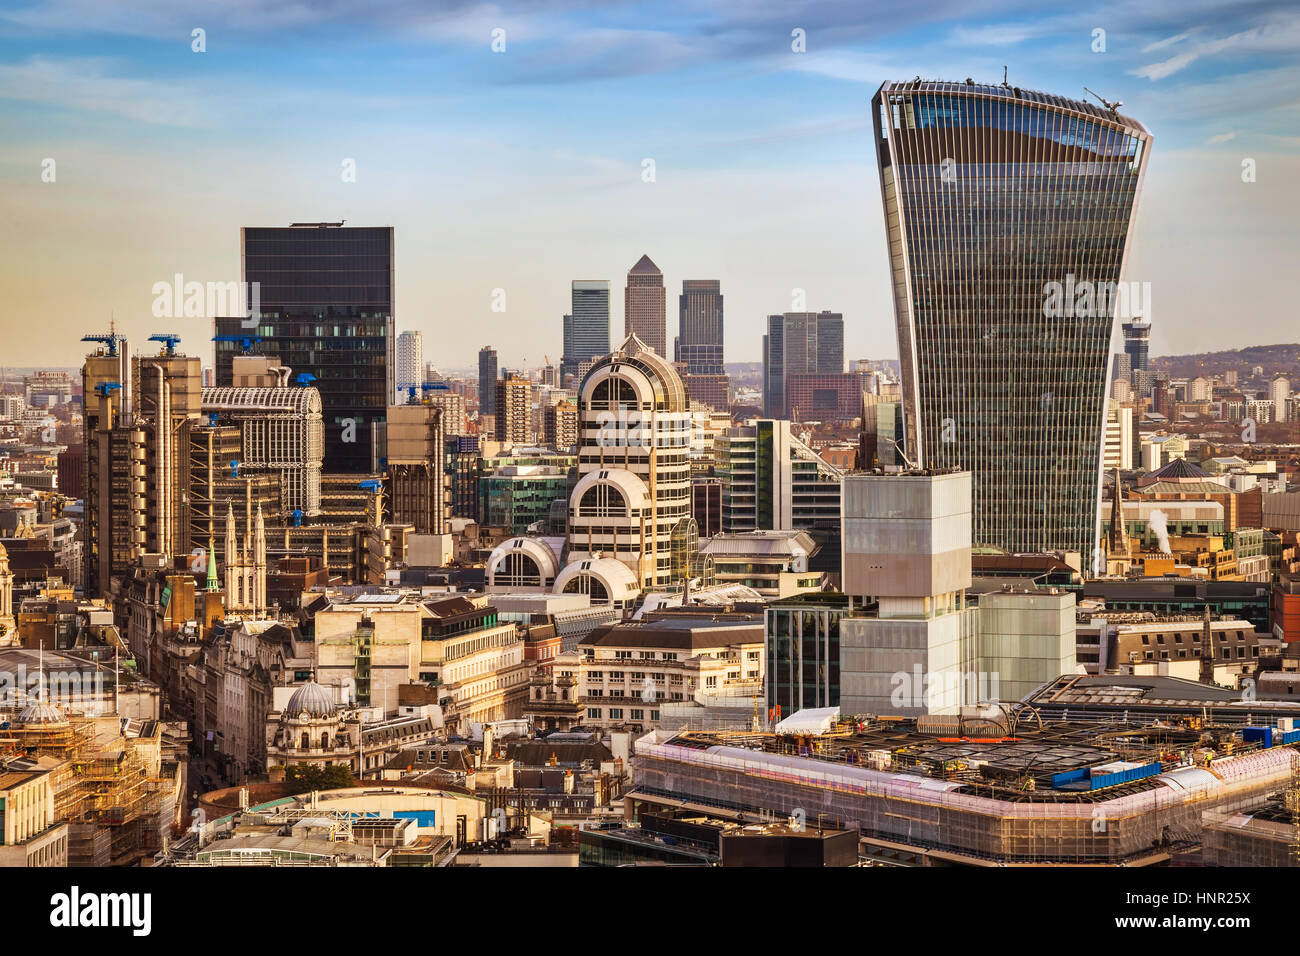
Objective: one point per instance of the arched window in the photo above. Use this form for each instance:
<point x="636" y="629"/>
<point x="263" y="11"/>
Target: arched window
<point x="517" y="569"/>
<point x="587" y="584"/>
<point x="612" y="392"/>
<point x="325" y="741"/>
<point x="602" y="501"/>
<point x="306" y="741"/>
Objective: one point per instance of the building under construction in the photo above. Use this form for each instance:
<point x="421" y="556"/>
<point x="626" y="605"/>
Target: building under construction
<point x="997" y="788"/>
<point x="109" y="786"/>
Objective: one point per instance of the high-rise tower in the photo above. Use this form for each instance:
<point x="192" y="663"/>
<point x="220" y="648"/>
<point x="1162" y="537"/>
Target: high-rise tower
<point x="586" y="328"/>
<point x="644" y="303"/>
<point x="487" y="381"/>
<point x="326" y="294"/>
<point x="1002" y="207"/>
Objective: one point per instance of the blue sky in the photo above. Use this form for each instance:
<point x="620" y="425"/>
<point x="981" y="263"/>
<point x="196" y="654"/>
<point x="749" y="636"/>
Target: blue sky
<point x="522" y="169"/>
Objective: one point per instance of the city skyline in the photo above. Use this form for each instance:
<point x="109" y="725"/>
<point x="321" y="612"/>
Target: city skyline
<point x="154" y="171"/>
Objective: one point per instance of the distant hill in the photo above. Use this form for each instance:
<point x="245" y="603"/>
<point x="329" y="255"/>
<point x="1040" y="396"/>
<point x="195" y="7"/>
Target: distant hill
<point x="1273" y="359"/>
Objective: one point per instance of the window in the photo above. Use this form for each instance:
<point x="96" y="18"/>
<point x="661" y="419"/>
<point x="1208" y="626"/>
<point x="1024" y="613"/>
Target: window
<point x="711" y="681"/>
<point x="638" y="715"/>
<point x="623" y="655"/>
<point x="593" y="712"/>
<point x="616" y="713"/>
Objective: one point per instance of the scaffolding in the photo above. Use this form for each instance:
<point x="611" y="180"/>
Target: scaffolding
<point x="979" y="802"/>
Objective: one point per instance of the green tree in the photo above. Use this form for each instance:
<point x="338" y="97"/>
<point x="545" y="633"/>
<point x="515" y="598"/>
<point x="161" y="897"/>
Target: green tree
<point x="308" y="777"/>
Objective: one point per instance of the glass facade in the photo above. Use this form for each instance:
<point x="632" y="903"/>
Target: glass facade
<point x="803" y="653"/>
<point x="995" y="197"/>
<point x="700" y="327"/>
<point x="326" y="296"/>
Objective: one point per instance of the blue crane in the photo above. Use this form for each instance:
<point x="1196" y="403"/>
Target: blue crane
<point x="109" y="339"/>
<point x="103" y="388"/>
<point x="305" y="379"/>
<point x="245" y="341"/>
<point x="169" y="341"/>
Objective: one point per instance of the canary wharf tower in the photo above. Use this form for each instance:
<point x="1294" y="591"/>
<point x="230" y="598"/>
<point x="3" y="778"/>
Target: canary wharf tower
<point x="999" y="204"/>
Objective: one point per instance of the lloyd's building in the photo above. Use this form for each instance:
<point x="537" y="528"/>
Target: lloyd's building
<point x="994" y="197"/>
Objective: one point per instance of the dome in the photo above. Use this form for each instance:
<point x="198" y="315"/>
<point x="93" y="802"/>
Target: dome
<point x="310" y="699"/>
<point x="41" y="713"/>
<point x="651" y="373"/>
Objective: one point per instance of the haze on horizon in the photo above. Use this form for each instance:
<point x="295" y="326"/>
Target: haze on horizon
<point x="521" y="170"/>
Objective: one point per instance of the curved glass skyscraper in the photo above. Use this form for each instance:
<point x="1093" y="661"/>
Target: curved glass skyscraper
<point x="1008" y="214"/>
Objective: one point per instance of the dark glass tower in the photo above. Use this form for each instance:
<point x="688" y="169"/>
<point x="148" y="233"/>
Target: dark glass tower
<point x="994" y="197"/>
<point x="586" y="329"/>
<point x="326" y="309"/>
<point x="1137" y="344"/>
<point x="799" y="343"/>
<point x="487" y="380"/>
<point x="699" y="327"/>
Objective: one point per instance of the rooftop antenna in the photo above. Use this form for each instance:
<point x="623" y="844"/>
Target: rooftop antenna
<point x="1005" y="84"/>
<point x="1105" y="102"/>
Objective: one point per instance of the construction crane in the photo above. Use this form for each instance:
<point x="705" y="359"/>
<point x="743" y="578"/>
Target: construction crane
<point x="168" y="340"/>
<point x="109" y="340"/>
<point x="246" y="342"/>
<point x="305" y="379"/>
<point x="1105" y="102"/>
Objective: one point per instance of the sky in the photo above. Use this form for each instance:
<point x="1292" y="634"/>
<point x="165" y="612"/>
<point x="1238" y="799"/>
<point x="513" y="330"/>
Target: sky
<point x="524" y="167"/>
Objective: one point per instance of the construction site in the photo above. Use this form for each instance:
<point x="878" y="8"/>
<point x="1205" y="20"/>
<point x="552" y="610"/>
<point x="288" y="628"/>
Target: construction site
<point x="109" y="784"/>
<point x="993" y="787"/>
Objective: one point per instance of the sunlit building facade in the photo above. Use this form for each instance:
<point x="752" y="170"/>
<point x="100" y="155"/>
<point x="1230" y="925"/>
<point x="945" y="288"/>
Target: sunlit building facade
<point x="1002" y="205"/>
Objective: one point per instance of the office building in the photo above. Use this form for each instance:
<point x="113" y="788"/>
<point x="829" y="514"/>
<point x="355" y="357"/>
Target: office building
<point x="799" y="344"/>
<point x="633" y="490"/>
<point x="586" y="327"/>
<point x="1137" y="345"/>
<point x="803" y="652"/>
<point x="416" y="454"/>
<point x="907" y="545"/>
<point x="1117" y="448"/>
<point x="645" y="305"/>
<point x="410" y="365"/>
<point x="882" y="434"/>
<point x="773" y="481"/>
<point x="327" y="310"/>
<point x="137" y="456"/>
<point x="487" y="381"/>
<point x="281" y="430"/>
<point x="1004" y="331"/>
<point x="700" y="327"/>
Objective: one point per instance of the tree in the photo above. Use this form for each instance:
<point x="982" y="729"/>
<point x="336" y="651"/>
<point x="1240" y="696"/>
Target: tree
<point x="308" y="777"/>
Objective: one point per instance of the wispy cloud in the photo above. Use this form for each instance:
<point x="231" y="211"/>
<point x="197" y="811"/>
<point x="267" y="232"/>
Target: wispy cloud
<point x="1221" y="138"/>
<point x="85" y="83"/>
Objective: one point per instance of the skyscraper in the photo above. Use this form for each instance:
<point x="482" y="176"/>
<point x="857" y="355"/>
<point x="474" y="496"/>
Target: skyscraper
<point x="799" y="343"/>
<point x="774" y="367"/>
<point x="410" y="364"/>
<point x="487" y="380"/>
<point x="326" y="309"/>
<point x="644" y="305"/>
<point x="632" y="502"/>
<point x="699" y="327"/>
<point x="996" y="201"/>
<point x="586" y="328"/>
<point x="1137" y="344"/>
